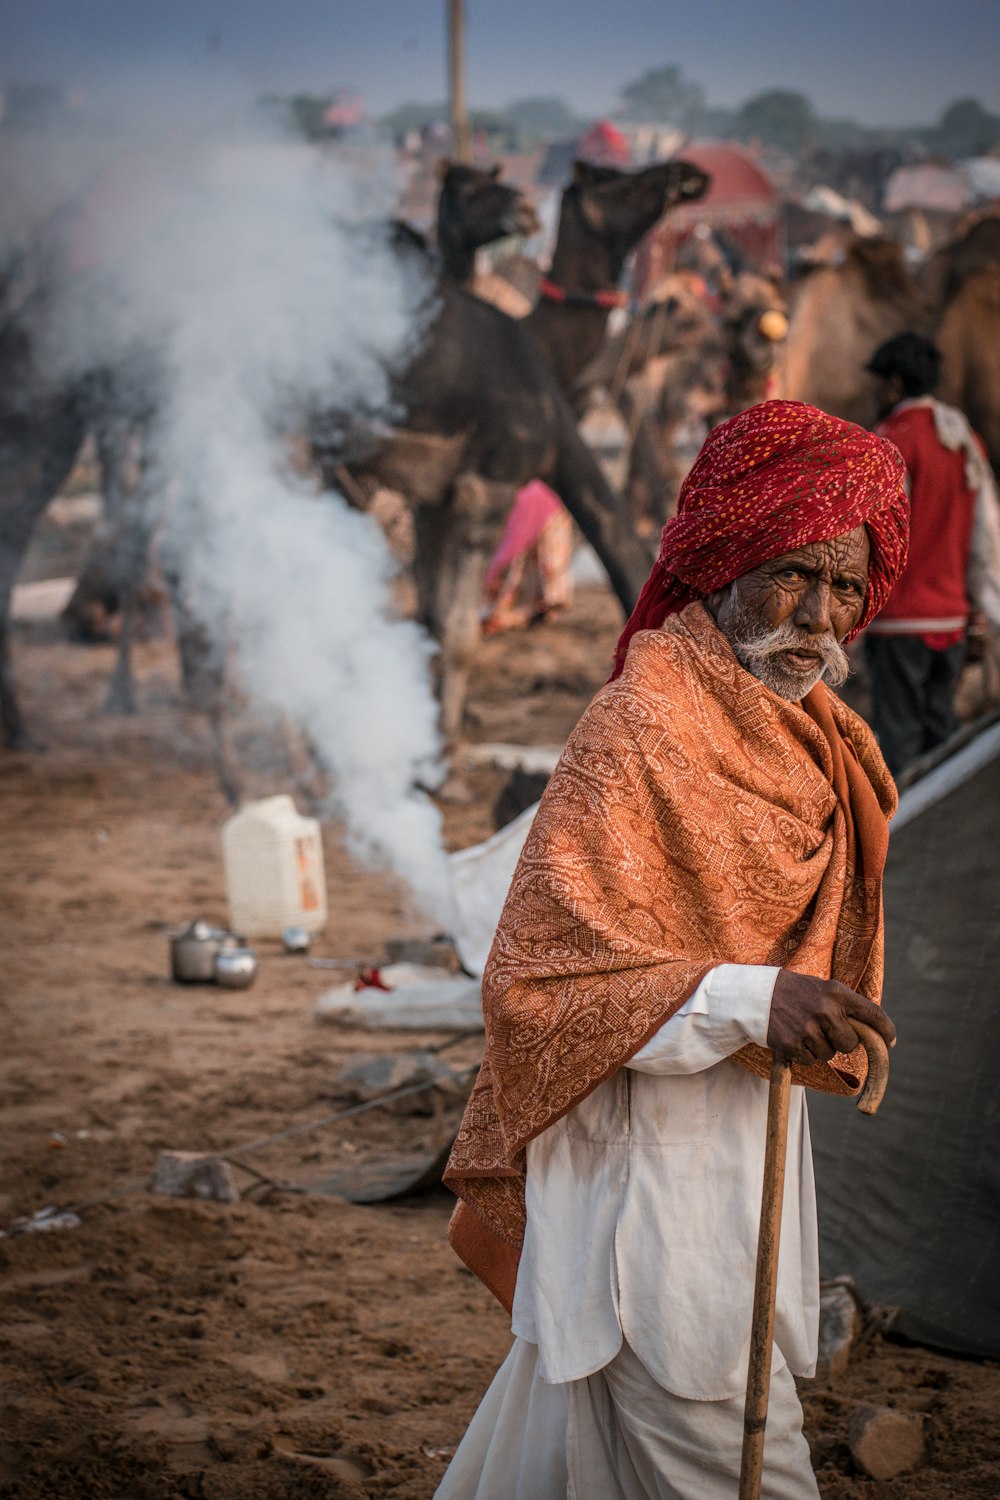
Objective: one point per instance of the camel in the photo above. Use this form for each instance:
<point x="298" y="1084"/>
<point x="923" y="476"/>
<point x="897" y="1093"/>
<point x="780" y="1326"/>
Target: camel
<point x="840" y="316"/>
<point x="968" y="336"/>
<point x="963" y="278"/>
<point x="42" y="429"/>
<point x="474" y="209"/>
<point x="487" y="411"/>
<point x="484" y="415"/>
<point x="843" y="313"/>
<point x="974" y="246"/>
<point x="603" y="215"/>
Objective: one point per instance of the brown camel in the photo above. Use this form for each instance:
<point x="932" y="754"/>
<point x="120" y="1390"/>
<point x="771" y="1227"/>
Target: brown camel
<point x="840" y="316"/>
<point x="968" y="336"/>
<point x="843" y="313"/>
<point x="964" y="280"/>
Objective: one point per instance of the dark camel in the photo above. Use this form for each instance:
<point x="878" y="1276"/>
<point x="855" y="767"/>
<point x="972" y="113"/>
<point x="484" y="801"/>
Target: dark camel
<point x="474" y="209"/>
<point x="484" y="415"/>
<point x="603" y="216"/>
<point x="487" y="410"/>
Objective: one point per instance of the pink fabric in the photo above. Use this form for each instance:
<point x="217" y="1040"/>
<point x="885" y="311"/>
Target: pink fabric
<point x="533" y="509"/>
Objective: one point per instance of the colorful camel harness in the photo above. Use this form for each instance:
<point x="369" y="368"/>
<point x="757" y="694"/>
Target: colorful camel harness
<point x="552" y="292"/>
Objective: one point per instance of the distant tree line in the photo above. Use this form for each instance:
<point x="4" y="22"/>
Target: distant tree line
<point x="783" y="118"/>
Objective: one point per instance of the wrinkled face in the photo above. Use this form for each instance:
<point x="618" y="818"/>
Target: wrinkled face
<point x="786" y="619"/>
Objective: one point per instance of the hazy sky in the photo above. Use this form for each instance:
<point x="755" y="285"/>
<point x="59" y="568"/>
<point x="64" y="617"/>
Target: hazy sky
<point x="881" y="61"/>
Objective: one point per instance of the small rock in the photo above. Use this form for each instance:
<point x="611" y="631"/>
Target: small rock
<point x="885" y="1442"/>
<point x="367" y="1077"/>
<point x="192" y="1174"/>
<point x="44" y="1221"/>
<point x="838" y="1328"/>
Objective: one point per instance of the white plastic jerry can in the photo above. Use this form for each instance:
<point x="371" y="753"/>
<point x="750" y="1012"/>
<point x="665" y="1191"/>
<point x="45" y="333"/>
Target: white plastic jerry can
<point x="273" y="860"/>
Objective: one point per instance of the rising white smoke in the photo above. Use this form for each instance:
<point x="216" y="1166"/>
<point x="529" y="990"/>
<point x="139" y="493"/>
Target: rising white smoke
<point x="242" y="261"/>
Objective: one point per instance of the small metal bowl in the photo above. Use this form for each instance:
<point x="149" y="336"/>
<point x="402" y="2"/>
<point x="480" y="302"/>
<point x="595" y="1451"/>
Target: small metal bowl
<point x="296" y="939"/>
<point x="235" y="968"/>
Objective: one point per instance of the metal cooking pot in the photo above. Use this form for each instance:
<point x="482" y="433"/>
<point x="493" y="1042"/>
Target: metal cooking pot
<point x="193" y="950"/>
<point x="296" y="940"/>
<point x="235" y="968"/>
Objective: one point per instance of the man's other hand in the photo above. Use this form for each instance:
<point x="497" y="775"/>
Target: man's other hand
<point x="811" y="1018"/>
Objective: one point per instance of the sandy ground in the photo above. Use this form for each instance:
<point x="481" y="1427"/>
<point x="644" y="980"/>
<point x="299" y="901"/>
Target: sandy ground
<point x="289" y="1345"/>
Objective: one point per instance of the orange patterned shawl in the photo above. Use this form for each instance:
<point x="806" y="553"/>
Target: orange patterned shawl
<point x="695" y="818"/>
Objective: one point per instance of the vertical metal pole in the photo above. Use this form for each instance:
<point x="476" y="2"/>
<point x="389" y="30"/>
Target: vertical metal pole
<point x="460" y="139"/>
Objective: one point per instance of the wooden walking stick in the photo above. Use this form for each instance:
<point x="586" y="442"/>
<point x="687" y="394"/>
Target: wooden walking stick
<point x="762" y="1329"/>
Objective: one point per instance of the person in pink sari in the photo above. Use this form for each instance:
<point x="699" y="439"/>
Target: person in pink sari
<point x="528" y="575"/>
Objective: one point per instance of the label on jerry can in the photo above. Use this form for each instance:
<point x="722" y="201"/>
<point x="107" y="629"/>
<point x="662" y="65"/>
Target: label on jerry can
<point x="308" y="871"/>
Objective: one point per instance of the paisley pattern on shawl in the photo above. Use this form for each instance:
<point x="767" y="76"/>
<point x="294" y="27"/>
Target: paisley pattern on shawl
<point x="695" y="818"/>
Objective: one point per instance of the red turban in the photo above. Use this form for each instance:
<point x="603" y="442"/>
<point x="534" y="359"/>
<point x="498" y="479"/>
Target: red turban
<point x="775" y="477"/>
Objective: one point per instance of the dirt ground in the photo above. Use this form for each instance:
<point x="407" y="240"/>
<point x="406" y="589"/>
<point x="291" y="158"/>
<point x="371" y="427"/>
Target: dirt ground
<point x="291" y="1345"/>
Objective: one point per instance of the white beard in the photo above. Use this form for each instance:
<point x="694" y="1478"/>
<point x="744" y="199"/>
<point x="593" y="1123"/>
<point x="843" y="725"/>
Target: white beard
<point x="759" y="651"/>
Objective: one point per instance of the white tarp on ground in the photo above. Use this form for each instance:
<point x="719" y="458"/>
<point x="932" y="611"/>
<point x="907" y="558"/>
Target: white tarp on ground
<point x="417" y="999"/>
<point x="422" y="998"/>
<point x="480" y="877"/>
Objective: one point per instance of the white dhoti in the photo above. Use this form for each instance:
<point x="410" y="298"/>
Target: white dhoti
<point x="617" y="1435"/>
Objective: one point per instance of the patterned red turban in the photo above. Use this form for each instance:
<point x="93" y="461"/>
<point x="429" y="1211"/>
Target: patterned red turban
<point x="775" y="477"/>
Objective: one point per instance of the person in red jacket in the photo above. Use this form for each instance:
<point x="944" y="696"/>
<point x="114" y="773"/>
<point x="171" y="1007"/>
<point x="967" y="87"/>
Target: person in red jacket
<point x="916" y="647"/>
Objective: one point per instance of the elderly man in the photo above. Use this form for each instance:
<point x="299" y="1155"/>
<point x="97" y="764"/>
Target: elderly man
<point x="702" y="883"/>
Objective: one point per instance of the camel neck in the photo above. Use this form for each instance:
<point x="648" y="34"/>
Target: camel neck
<point x="584" y="267"/>
<point x="458" y="260"/>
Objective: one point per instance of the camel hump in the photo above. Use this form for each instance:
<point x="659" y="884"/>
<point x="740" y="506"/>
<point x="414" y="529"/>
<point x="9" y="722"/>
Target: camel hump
<point x="881" y="264"/>
<point x="975" y="248"/>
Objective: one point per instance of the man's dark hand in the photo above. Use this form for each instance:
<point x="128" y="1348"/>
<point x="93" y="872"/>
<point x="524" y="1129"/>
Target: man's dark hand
<point x="811" y="1018"/>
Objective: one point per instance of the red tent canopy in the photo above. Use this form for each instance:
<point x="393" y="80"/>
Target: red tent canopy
<point x="742" y="200"/>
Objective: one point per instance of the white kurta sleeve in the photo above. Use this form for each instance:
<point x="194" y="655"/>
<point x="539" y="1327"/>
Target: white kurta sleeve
<point x="731" y="1006"/>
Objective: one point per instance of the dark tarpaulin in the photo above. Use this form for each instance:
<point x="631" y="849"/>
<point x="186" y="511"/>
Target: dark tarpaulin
<point x="909" y="1202"/>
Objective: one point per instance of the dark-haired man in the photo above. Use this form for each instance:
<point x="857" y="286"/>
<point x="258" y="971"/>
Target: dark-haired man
<point x="949" y="588"/>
